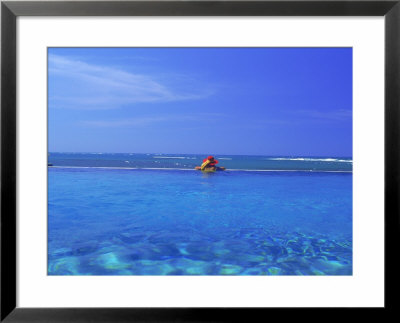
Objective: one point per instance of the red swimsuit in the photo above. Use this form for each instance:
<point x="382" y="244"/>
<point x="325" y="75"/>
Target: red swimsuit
<point x="213" y="163"/>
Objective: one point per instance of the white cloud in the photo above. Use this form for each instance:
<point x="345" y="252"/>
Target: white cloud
<point x="149" y="120"/>
<point x="124" y="122"/>
<point x="77" y="84"/>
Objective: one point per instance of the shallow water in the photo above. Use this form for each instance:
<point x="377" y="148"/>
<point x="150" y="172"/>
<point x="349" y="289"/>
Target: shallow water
<point x="180" y="222"/>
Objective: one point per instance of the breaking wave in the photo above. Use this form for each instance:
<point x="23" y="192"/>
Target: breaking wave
<point x="315" y="159"/>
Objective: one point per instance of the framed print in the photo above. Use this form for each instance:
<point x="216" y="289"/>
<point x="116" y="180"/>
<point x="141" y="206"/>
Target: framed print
<point x="175" y="160"/>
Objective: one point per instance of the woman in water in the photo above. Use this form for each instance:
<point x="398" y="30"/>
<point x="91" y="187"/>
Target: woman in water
<point x="209" y="162"/>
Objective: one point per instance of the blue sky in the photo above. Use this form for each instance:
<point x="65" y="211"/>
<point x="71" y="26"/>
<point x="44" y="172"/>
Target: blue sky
<point x="255" y="101"/>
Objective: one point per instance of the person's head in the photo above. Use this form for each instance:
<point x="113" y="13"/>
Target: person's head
<point x="210" y="158"/>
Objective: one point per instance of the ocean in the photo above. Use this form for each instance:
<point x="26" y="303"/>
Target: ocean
<point x="153" y="214"/>
<point x="189" y="161"/>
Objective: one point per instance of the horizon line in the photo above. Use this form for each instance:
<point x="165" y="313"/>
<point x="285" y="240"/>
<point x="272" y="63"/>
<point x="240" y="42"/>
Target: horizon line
<point x="158" y="153"/>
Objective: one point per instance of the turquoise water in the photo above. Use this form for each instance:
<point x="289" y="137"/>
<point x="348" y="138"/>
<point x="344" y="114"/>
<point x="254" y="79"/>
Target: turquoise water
<point x="117" y="221"/>
<point x="183" y="161"/>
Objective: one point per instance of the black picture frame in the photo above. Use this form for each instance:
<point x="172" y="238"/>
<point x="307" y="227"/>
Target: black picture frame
<point x="10" y="10"/>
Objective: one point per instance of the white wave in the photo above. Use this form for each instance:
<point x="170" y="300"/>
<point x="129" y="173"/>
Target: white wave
<point x="170" y="157"/>
<point x="224" y="158"/>
<point x="315" y="159"/>
<point x="177" y="157"/>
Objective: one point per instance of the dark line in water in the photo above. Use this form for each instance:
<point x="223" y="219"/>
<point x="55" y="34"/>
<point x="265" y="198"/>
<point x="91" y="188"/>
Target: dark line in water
<point x="228" y="170"/>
